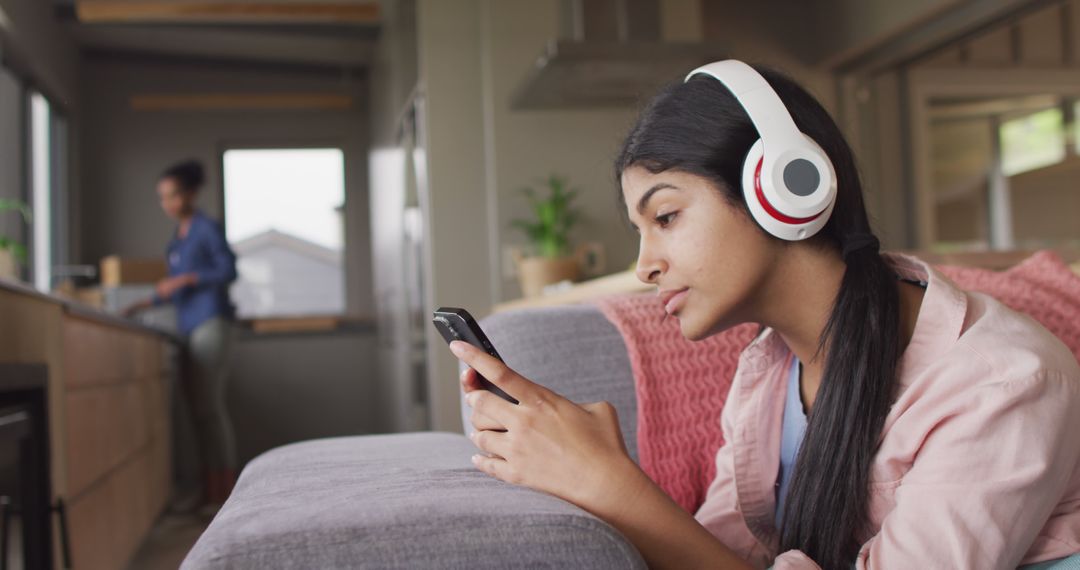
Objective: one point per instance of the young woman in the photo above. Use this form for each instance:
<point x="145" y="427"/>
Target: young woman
<point x="201" y="267"/>
<point x="882" y="419"/>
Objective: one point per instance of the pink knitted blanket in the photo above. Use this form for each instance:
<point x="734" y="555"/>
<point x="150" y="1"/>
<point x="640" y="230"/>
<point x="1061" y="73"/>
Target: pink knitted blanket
<point x="681" y="385"/>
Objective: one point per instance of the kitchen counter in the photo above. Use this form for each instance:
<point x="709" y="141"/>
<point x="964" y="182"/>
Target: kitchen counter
<point x="86" y="312"/>
<point x="107" y="395"/>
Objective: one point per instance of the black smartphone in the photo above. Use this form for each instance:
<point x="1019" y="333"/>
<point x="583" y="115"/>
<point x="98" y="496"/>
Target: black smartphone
<point x="457" y="324"/>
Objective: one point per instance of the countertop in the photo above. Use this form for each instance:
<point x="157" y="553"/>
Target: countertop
<point x="87" y="312"/>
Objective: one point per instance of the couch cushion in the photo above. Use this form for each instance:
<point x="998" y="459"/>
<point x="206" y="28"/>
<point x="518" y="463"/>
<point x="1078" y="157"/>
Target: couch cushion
<point x="1042" y="287"/>
<point x="396" y="501"/>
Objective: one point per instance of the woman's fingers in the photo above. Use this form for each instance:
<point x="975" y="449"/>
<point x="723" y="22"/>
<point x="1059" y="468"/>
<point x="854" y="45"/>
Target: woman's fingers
<point x="488" y="405"/>
<point x="495" y="466"/>
<point x="481" y="422"/>
<point x="493" y="369"/>
<point x="470" y="381"/>
<point x="493" y="442"/>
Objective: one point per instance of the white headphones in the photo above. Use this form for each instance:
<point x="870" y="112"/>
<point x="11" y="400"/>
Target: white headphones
<point x="788" y="181"/>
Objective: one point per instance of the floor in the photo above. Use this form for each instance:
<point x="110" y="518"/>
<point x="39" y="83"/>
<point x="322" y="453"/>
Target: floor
<point x="169" y="541"/>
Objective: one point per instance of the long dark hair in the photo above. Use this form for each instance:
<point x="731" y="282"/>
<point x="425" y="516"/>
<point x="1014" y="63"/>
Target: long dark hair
<point x="698" y="127"/>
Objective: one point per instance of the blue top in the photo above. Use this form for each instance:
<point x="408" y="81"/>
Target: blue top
<point x="792" y="432"/>
<point x="205" y="253"/>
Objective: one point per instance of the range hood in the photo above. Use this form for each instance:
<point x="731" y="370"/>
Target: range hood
<point x="609" y="55"/>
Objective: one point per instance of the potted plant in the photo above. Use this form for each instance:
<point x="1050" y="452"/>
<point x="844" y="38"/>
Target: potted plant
<point x="548" y="232"/>
<point x="12" y="253"/>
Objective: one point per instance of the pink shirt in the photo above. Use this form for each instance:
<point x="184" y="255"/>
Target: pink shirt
<point x="979" y="464"/>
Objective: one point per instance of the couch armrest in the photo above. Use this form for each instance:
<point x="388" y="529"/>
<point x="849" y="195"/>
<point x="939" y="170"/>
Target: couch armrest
<point x="397" y="501"/>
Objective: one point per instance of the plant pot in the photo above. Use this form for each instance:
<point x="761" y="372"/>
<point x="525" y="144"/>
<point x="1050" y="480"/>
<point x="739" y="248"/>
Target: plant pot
<point x="537" y="272"/>
<point x="9" y="268"/>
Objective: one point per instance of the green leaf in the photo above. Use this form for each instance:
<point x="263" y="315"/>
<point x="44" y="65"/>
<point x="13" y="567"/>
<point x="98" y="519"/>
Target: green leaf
<point x="19" y="251"/>
<point x="18" y="206"/>
<point x="553" y="215"/>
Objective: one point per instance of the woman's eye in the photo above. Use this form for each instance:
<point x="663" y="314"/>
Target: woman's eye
<point x="664" y="219"/>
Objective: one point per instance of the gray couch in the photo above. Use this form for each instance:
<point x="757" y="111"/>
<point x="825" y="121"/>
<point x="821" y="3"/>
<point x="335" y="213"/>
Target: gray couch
<point x="414" y="500"/>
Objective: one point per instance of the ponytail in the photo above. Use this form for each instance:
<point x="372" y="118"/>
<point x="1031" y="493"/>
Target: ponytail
<point x="828" y="500"/>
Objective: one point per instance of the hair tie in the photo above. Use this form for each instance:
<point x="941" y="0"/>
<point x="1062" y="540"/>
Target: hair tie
<point x="859" y="242"/>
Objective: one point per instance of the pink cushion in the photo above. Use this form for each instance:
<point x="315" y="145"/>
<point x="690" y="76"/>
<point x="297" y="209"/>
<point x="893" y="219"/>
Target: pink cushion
<point x="1042" y="286"/>
<point x="682" y="385"/>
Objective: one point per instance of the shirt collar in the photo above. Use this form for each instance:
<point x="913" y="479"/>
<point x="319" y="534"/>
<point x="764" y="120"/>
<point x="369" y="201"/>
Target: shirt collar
<point x="937" y="327"/>
<point x="941" y="316"/>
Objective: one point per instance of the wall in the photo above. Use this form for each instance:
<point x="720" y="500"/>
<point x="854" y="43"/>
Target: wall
<point x="43" y="56"/>
<point x="282" y="388"/>
<point x="524" y="147"/>
<point x="293" y="387"/>
<point x="854" y="26"/>
<point x="459" y="208"/>
<point x="1045" y="204"/>
<point x="756" y="32"/>
<point x="11" y="156"/>
<point x="30" y="34"/>
<point x="393" y="70"/>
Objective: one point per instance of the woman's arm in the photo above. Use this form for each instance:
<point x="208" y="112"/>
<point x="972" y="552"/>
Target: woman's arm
<point x="664" y="534"/>
<point x="576" y="452"/>
<point x="986" y="479"/>
<point x="221" y="269"/>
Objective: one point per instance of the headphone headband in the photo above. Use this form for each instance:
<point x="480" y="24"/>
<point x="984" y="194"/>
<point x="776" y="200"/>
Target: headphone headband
<point x="788" y="181"/>
<point x="768" y="113"/>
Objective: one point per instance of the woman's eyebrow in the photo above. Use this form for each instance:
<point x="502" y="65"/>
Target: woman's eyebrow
<point x="644" y="201"/>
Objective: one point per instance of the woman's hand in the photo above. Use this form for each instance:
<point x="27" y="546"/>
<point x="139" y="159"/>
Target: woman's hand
<point x="134" y="308"/>
<point x="576" y="452"/>
<point x="547" y="442"/>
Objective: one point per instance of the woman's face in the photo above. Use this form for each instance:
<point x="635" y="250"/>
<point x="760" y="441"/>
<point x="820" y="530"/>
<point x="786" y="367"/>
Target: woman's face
<point x="709" y="260"/>
<point x="174" y="201"/>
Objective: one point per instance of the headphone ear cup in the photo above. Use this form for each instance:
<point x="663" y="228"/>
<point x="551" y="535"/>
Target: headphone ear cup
<point x="777" y="222"/>
<point x="749" y="172"/>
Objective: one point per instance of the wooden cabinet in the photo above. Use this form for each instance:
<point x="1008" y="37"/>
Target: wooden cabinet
<point x="108" y="394"/>
<point x="117" y="439"/>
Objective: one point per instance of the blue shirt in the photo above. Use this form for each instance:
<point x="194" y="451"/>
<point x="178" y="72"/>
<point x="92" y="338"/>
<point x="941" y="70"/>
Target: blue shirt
<point x="792" y="432"/>
<point x="205" y="253"/>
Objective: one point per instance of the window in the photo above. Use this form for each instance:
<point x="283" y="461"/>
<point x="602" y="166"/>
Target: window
<point x="41" y="190"/>
<point x="283" y="218"/>
<point x="1033" y="141"/>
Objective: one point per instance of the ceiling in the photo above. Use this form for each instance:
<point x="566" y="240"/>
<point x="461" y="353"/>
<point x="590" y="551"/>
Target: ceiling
<point x="323" y="34"/>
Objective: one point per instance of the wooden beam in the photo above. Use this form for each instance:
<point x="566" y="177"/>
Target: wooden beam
<point x="248" y="12"/>
<point x="243" y="102"/>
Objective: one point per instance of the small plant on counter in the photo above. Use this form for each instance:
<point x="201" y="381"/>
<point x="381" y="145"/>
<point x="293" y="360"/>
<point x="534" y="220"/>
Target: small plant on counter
<point x="17" y="250"/>
<point x="549" y="233"/>
<point x="553" y="217"/>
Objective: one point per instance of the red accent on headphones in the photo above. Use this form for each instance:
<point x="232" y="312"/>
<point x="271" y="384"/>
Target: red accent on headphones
<point x="769" y="207"/>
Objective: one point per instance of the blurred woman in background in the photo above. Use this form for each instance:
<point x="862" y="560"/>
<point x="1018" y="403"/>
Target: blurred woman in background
<point x="201" y="267"/>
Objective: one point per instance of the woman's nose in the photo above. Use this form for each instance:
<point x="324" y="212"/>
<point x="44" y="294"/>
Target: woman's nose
<point x="649" y="266"/>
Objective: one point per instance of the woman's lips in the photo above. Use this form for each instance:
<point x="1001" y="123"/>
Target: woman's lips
<point x="673" y="300"/>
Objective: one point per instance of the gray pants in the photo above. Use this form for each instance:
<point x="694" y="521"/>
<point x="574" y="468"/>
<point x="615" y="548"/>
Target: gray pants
<point x="209" y="348"/>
